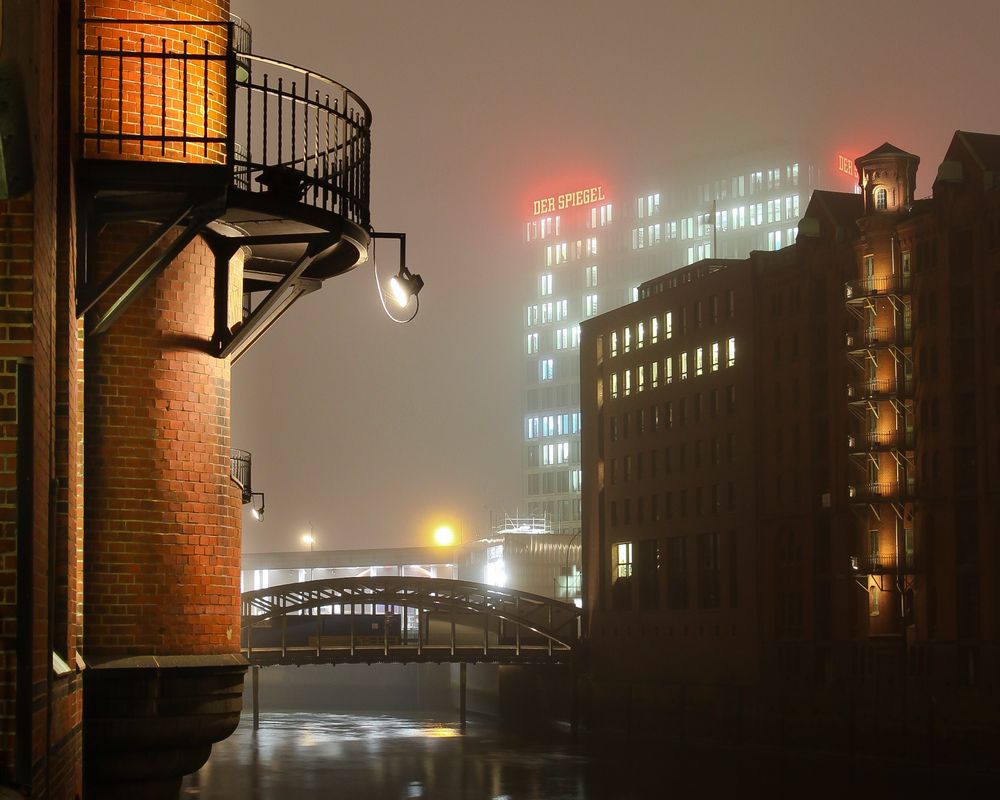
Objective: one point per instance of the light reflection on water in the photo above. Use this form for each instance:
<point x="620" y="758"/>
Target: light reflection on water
<point x="299" y="755"/>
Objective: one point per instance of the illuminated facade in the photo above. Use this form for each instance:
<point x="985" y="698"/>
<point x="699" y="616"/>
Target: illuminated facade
<point x="788" y="472"/>
<point x="591" y="247"/>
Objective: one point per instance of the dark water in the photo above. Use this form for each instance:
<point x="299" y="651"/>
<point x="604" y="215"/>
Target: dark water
<point x="374" y="756"/>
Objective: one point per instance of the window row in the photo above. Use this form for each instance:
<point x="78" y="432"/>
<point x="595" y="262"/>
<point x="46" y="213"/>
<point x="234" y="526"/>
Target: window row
<point x="642" y="332"/>
<point x="552" y="425"/>
<point x="673" y="413"/>
<point x="541" y="228"/>
<point x="651" y="573"/>
<point x="558" y="310"/>
<point x="547" y="455"/>
<point x="704" y="501"/>
<point x="554" y="482"/>
<point x="675" y="458"/>
<point x="697" y="362"/>
<point x="559" y="253"/>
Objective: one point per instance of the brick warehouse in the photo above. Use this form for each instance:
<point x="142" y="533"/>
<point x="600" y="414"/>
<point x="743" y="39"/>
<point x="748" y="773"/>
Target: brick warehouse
<point x="163" y="200"/>
<point x="790" y="472"/>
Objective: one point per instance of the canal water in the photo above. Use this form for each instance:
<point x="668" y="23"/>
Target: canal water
<point x="371" y="756"/>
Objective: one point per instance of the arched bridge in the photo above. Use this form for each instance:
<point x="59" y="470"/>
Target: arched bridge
<point x="393" y="619"/>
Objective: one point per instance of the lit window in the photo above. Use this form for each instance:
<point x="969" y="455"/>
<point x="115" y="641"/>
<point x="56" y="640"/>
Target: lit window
<point x="546" y="285"/>
<point x="562" y="309"/>
<point x="731" y="352"/>
<point x="634" y="294"/>
<point x="655" y="374"/>
<point x="546" y="369"/>
<point x="668" y="365"/>
<point x="668" y="325"/>
<point x="532" y="315"/>
<point x="628" y="339"/>
<point x="591" y="276"/>
<point x="640" y="335"/>
<point x="546" y="312"/>
<point x="590" y="305"/>
<point x="549" y="256"/>
<point x="592" y="246"/>
<point x="641" y="377"/>
<point x="628" y="382"/>
<point x="715" y="356"/>
<point x="575" y="336"/>
<point x="699" y="361"/>
<point x="548" y="454"/>
<point x="531" y="426"/>
<point x="562" y="452"/>
<point x="881" y="202"/>
<point x="614" y="343"/>
<point x="621" y="557"/>
<point x="562" y="339"/>
<point x="532" y="343"/>
<point x="654" y="330"/>
<point x="614" y="385"/>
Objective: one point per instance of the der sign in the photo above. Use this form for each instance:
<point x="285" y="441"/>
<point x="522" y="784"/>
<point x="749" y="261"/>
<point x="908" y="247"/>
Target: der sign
<point x="560" y="202"/>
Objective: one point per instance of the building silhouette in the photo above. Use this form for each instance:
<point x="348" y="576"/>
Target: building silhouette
<point x="166" y="195"/>
<point x="788" y="472"/>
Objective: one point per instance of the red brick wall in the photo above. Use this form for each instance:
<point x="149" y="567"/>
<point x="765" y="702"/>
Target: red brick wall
<point x="139" y="82"/>
<point x="163" y="517"/>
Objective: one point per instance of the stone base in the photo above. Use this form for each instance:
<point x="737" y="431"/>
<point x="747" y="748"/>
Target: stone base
<point x="150" y="720"/>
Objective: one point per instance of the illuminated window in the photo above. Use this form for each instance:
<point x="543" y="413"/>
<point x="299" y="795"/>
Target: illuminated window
<point x="756" y="182"/>
<point x="628" y="382"/>
<point x="532" y="315"/>
<point x="590" y="305"/>
<point x="640" y="334"/>
<point x="614" y="343"/>
<point x="654" y="374"/>
<point x="634" y="293"/>
<point x="668" y="325"/>
<point x="562" y="339"/>
<point x="774" y="240"/>
<point x="575" y="480"/>
<point x="731" y="352"/>
<point x="722" y="220"/>
<point x="792" y="207"/>
<point x="546" y="369"/>
<point x="668" y="369"/>
<point x="575" y="336"/>
<point x="545" y="287"/>
<point x="592" y="246"/>
<point x="641" y="377"/>
<point x="881" y="202"/>
<point x="562" y="453"/>
<point x="562" y="309"/>
<point x="549" y="256"/>
<point x="562" y="252"/>
<point x="792" y="173"/>
<point x="628" y="339"/>
<point x="614" y="385"/>
<point x="606" y="215"/>
<point x="699" y="361"/>
<point x="548" y="425"/>
<point x="590" y="273"/>
<point x="546" y="312"/>
<point x="653" y="204"/>
<point x="773" y="211"/>
<point x="654" y="330"/>
<point x="873" y="601"/>
<point x="548" y="454"/>
<point x="654" y="234"/>
<point x="531" y="427"/>
<point x="684" y="366"/>
<point x="621" y="559"/>
<point x="640" y="207"/>
<point x="756" y="214"/>
<point x="715" y="356"/>
<point x="532" y="343"/>
<point x="575" y="419"/>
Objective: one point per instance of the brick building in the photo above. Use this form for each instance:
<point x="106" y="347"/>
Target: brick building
<point x="162" y="201"/>
<point x="789" y="472"/>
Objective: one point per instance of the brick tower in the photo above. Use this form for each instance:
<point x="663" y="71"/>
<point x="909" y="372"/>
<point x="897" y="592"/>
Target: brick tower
<point x="167" y="197"/>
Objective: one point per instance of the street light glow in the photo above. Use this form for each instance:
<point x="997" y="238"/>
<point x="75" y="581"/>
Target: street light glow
<point x="444" y="536"/>
<point x="308" y="538"/>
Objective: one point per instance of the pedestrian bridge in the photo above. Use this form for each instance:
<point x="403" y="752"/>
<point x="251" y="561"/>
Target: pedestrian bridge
<point x="398" y="619"/>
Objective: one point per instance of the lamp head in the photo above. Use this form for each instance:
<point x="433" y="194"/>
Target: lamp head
<point x="404" y="286"/>
<point x="258" y="513"/>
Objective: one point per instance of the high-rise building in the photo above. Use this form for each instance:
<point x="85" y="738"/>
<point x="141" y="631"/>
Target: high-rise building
<point x="789" y="465"/>
<point x="590" y="248"/>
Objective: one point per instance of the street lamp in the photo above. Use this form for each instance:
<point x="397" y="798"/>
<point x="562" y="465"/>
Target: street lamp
<point x="404" y="286"/>
<point x="309" y="539"/>
<point x="444" y="536"/>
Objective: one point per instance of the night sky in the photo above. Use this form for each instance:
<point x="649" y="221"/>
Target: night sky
<point x="375" y="432"/>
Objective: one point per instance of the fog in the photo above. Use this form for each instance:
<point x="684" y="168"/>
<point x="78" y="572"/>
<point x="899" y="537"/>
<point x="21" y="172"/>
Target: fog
<point x="374" y="432"/>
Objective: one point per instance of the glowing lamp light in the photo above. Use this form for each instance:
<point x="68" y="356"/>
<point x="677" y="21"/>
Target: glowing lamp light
<point x="405" y="286"/>
<point x="444" y="536"/>
<point x="309" y="539"/>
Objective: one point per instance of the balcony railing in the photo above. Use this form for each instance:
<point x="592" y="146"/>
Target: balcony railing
<point x="880" y="388"/>
<point x="881" y="440"/>
<point x="882" y="564"/>
<point x="883" y="492"/>
<point x="239" y="470"/>
<point x="878" y="285"/>
<point x="162" y="90"/>
<point x="901" y="336"/>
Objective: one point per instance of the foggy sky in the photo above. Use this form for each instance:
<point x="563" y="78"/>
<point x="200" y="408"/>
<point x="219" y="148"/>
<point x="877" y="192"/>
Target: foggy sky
<point x="375" y="431"/>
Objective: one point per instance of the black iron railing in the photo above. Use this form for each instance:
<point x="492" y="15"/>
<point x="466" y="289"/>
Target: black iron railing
<point x="877" y="285"/>
<point x="883" y="491"/>
<point x="239" y="470"/>
<point x="189" y="91"/>
<point x="884" y="564"/>
<point x="882" y="440"/>
<point x="879" y="388"/>
<point x="901" y="336"/>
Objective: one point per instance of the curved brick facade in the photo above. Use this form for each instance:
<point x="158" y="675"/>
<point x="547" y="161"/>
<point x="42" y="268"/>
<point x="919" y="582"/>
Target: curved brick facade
<point x="162" y="515"/>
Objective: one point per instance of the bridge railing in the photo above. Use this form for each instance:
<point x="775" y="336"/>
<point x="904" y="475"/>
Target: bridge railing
<point x="370" y="619"/>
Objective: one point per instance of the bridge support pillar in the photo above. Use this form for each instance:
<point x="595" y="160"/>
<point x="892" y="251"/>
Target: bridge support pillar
<point x="462" y="685"/>
<point x="255" y="693"/>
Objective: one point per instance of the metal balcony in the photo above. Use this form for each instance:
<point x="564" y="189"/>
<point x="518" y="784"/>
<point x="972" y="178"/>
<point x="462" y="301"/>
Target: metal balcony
<point x="872" y="338"/>
<point x="877" y="286"/>
<point x="880" y="389"/>
<point x="239" y="471"/>
<point x="180" y="124"/>
<point x="883" y="492"/>
<point x="875" y="441"/>
<point x="884" y="564"/>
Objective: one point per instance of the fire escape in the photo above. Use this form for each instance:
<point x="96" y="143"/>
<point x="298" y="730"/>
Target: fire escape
<point x="882" y="442"/>
<point x="184" y="129"/>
